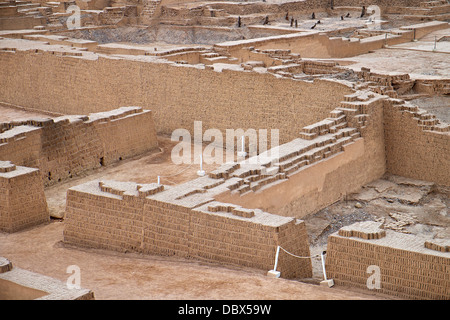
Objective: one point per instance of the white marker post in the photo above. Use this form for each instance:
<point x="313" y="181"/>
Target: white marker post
<point x="201" y="172"/>
<point x="274" y="273"/>
<point x="329" y="283"/>
<point x="242" y="153"/>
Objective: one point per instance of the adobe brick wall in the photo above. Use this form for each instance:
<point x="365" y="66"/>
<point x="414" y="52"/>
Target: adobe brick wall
<point x="408" y="267"/>
<point x="22" y="199"/>
<point x="342" y="161"/>
<point x="67" y="146"/>
<point x="178" y="95"/>
<point x="414" y="150"/>
<point x="99" y="215"/>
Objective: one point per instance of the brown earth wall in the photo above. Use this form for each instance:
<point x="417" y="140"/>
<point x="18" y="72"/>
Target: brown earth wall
<point x="177" y="95"/>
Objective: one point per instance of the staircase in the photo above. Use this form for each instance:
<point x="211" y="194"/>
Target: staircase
<point x="317" y="142"/>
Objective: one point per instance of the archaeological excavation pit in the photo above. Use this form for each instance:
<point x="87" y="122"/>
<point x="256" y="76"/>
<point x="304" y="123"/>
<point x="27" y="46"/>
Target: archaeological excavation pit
<point x="324" y="136"/>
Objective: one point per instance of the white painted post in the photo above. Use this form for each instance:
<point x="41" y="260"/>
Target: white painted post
<point x="323" y="267"/>
<point x="242" y="153"/>
<point x="201" y="172"/>
<point x="276" y="258"/>
<point x="274" y="273"/>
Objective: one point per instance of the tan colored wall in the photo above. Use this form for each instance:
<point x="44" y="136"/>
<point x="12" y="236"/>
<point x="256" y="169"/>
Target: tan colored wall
<point x="329" y="180"/>
<point x="412" y="151"/>
<point x="67" y="146"/>
<point x="407" y="269"/>
<point x="22" y="199"/>
<point x="135" y="224"/>
<point x="177" y="95"/>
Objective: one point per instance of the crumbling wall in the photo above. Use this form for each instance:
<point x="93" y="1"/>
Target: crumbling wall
<point x="365" y="256"/>
<point x="22" y="199"/>
<point x="417" y="145"/>
<point x="344" y="152"/>
<point x="64" y="147"/>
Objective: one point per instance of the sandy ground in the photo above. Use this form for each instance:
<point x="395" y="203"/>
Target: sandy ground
<point x="130" y="276"/>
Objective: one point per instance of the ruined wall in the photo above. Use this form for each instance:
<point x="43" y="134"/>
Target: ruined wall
<point x="101" y="217"/>
<point x="408" y="267"/>
<point x="177" y="95"/>
<point x="64" y="147"/>
<point x="22" y="199"/>
<point x="340" y="159"/>
<point x="414" y="146"/>
<point x="318" y="45"/>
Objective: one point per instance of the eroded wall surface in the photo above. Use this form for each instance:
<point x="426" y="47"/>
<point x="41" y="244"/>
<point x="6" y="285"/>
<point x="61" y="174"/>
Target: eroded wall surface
<point x="417" y="144"/>
<point x="66" y="146"/>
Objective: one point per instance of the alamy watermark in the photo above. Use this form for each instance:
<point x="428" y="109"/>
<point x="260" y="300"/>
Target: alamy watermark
<point x="74" y="280"/>
<point x="250" y="144"/>
<point x="374" y="20"/>
<point x="374" y="280"/>
<point x="73" y="21"/>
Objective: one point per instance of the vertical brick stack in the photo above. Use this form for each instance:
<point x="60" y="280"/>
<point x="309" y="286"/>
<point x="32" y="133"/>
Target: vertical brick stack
<point x="410" y="267"/>
<point x="22" y="199"/>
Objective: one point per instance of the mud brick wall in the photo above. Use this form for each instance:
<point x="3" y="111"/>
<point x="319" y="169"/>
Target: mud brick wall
<point x="128" y="223"/>
<point x="167" y="229"/>
<point x="325" y="182"/>
<point x="178" y="95"/>
<point x="67" y="146"/>
<point x="101" y="222"/>
<point x="22" y="146"/>
<point x="407" y="269"/>
<point x="126" y="134"/>
<point x="412" y="151"/>
<point x="22" y="199"/>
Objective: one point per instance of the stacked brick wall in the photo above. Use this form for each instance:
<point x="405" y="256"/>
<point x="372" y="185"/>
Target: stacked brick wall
<point x="214" y="97"/>
<point x="67" y="146"/>
<point x="408" y="269"/>
<point x="123" y="221"/>
<point x="335" y="158"/>
<point x="417" y="146"/>
<point x="22" y="199"/>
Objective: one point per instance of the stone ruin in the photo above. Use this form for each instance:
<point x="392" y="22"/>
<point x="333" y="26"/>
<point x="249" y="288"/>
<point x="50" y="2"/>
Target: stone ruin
<point x="250" y="66"/>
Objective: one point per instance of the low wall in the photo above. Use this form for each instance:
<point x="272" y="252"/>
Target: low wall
<point x="123" y="217"/>
<point x="407" y="266"/>
<point x="22" y="199"/>
<point x="318" y="45"/>
<point x="66" y="146"/>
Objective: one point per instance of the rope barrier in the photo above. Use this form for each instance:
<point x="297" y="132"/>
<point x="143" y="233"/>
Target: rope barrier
<point x="310" y="257"/>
